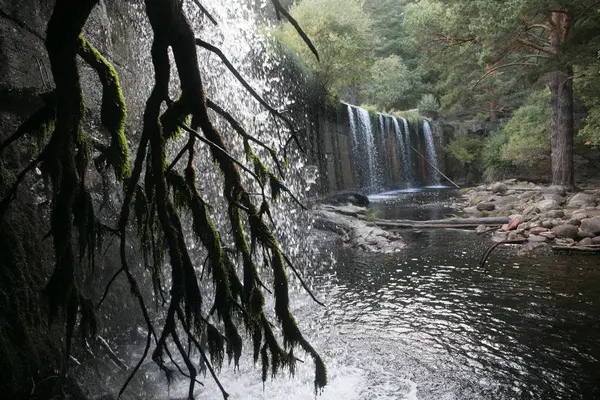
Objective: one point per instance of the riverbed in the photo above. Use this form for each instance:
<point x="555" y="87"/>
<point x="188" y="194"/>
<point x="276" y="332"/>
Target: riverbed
<point x="428" y="323"/>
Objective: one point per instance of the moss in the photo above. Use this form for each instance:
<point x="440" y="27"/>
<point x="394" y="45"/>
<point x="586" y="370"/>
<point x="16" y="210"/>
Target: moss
<point x="114" y="110"/>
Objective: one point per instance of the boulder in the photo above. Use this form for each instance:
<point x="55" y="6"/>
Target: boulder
<point x="565" y="231"/>
<point x="340" y="198"/>
<point x="581" y="234"/>
<point x="530" y="210"/>
<point x="555" y="197"/>
<point x="547" y="205"/>
<point x="486" y="206"/>
<point x="596" y="240"/>
<point x="548" y="224"/>
<point x="586" y="242"/>
<point x="574" y="222"/>
<point x="579" y="215"/>
<point x="537" y="239"/>
<point x="499" y="187"/>
<point x="591" y="225"/>
<point x="513" y="236"/>
<point x="555" y="214"/>
<point x="565" y="241"/>
<point x="581" y="200"/>
<point x="558" y="190"/>
<point x="470" y="210"/>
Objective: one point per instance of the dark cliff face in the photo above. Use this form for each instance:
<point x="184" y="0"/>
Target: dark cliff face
<point x="30" y="349"/>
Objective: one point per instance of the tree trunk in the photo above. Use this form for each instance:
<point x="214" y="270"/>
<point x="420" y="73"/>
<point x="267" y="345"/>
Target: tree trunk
<point x="561" y="90"/>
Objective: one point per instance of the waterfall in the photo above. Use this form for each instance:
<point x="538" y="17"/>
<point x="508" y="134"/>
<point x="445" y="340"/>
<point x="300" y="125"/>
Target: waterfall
<point x="366" y="131"/>
<point x="404" y="155"/>
<point x="430" y="154"/>
<point x="364" y="152"/>
<point x="408" y="148"/>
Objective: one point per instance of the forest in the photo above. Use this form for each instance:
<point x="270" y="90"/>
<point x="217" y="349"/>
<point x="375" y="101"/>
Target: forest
<point x="517" y="81"/>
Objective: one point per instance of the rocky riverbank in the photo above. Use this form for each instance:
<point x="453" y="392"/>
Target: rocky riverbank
<point x="352" y="224"/>
<point x="536" y="213"/>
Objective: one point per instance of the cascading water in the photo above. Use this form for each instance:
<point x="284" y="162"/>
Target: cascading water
<point x="364" y="152"/>
<point x="406" y="167"/>
<point x="366" y="131"/>
<point x="434" y="176"/>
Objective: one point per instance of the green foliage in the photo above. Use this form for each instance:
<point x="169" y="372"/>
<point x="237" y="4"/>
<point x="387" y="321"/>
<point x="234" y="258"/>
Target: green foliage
<point x="494" y="164"/>
<point x="341" y="32"/>
<point x="529" y="131"/>
<point x="428" y="105"/>
<point x="388" y="83"/>
<point x="465" y="149"/>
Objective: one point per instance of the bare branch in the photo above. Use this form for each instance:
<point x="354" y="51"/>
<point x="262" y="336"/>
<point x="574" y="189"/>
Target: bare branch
<point x="280" y="9"/>
<point x="249" y="88"/>
<point x="543" y="49"/>
<point x="304" y="285"/>
<point x="205" y="12"/>
<point x="221" y="150"/>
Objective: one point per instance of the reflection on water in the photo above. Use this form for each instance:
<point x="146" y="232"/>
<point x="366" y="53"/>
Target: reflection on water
<point x="427" y="323"/>
<point x="431" y="202"/>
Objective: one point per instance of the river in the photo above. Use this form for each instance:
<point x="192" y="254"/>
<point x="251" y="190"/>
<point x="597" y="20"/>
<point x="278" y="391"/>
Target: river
<point x="428" y="323"/>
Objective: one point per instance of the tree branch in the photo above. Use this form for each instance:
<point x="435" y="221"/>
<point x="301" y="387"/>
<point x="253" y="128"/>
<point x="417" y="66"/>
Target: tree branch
<point x="491" y="71"/>
<point x="280" y="9"/>
<point x="543" y="49"/>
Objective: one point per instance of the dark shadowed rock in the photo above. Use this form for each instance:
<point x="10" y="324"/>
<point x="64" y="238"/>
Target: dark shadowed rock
<point x="586" y="242"/>
<point x="565" y="231"/>
<point x="581" y="234"/>
<point x="486" y="206"/>
<point x="346" y="197"/>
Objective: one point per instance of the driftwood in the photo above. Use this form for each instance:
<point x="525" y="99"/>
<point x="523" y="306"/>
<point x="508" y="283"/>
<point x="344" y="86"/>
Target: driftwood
<point x="577" y="249"/>
<point x="452" y="223"/>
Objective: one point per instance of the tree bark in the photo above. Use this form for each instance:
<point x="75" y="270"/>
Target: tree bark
<point x="561" y="90"/>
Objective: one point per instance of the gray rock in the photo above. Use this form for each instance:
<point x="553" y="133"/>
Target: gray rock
<point x="499" y="187"/>
<point x="547" y="205"/>
<point x="511" y="192"/>
<point x="481" y="229"/>
<point x="485" y="206"/>
<point x="581" y="234"/>
<point x="574" y="222"/>
<point x="345" y="197"/>
<point x="537" y="238"/>
<point x="555" y="214"/>
<point x="581" y="200"/>
<point x="559" y="199"/>
<point x="513" y="235"/>
<point x="596" y="240"/>
<point x="530" y="210"/>
<point x="579" y="215"/>
<point x="565" y="241"/>
<point x="558" y="190"/>
<point x="470" y="210"/>
<point x="565" y="231"/>
<point x="586" y="242"/>
<point x="591" y="225"/>
<point x="547" y="224"/>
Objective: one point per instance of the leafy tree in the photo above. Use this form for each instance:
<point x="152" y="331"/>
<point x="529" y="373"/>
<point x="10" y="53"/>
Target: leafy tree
<point x="466" y="149"/>
<point x="528" y="132"/>
<point x="388" y="84"/>
<point x="546" y="36"/>
<point x="341" y="32"/>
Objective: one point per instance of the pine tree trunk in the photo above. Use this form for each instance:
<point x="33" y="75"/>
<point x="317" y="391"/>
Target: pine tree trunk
<point x="561" y="90"/>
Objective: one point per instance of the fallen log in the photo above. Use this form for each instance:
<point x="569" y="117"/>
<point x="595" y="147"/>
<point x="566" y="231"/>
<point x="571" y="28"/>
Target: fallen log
<point x="577" y="249"/>
<point x="457" y="223"/>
